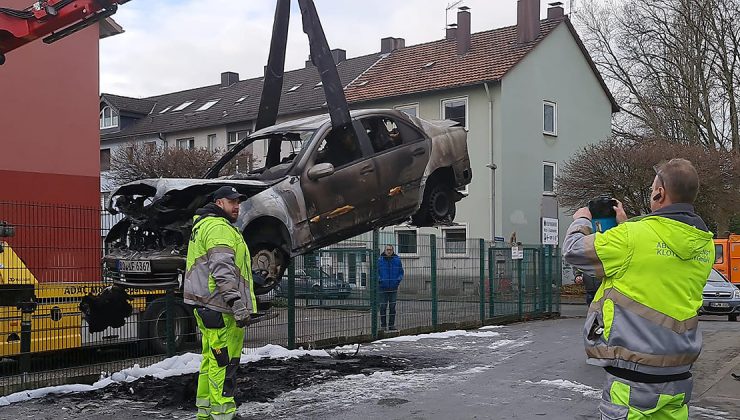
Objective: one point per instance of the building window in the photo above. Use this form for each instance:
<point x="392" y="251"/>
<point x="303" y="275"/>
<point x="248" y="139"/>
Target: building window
<point x="183" y="105"/>
<point x="186" y="144"/>
<point x="108" y="117"/>
<point x="235" y="137"/>
<point x="104" y="197"/>
<point x="151" y="146"/>
<point x="550" y="118"/>
<point x="456" y="110"/>
<point x="455" y="240"/>
<point x="165" y="110"/>
<point x="406" y="239"/>
<point x="410" y="109"/>
<point x="212" y="143"/>
<point x="549" y="172"/>
<point x="105" y="159"/>
<point x="208" y="105"/>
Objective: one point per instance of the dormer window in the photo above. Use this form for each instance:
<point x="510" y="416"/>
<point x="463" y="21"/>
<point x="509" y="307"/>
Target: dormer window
<point x="108" y="118"/>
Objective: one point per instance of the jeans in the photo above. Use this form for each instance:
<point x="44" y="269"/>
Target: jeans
<point x="388" y="299"/>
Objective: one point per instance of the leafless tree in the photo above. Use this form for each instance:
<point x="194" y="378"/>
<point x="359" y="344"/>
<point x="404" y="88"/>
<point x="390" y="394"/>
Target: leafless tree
<point x="139" y="161"/>
<point x="623" y="169"/>
<point x="673" y="65"/>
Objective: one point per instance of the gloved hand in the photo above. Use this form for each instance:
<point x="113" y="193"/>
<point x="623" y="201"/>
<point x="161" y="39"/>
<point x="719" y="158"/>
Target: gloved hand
<point x="241" y="314"/>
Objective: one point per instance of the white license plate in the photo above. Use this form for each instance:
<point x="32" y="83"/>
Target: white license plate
<point x="719" y="305"/>
<point x="129" y="266"/>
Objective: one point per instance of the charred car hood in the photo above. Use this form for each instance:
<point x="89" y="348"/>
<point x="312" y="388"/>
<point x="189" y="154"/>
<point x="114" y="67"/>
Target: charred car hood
<point x="179" y="189"/>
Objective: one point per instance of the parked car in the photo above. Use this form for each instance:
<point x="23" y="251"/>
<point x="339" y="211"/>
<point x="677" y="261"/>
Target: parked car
<point x="720" y="297"/>
<point x="315" y="283"/>
<point x="319" y="185"/>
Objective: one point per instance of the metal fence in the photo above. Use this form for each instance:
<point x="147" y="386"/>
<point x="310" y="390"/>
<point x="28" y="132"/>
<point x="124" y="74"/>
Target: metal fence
<point x="326" y="298"/>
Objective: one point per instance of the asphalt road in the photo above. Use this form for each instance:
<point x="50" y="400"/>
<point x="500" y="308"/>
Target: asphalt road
<point x="519" y="371"/>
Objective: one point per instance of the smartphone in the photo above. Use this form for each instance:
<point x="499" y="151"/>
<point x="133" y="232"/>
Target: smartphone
<point x="603" y="216"/>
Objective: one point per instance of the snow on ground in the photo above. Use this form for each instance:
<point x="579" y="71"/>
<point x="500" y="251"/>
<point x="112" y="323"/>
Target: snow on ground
<point x="501" y="343"/>
<point x="172" y="366"/>
<point x="439" y="335"/>
<point x="586" y="390"/>
<point x="491" y="327"/>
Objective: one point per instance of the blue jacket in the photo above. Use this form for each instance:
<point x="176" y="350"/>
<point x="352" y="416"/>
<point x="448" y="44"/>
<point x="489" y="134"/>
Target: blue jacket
<point x="390" y="272"/>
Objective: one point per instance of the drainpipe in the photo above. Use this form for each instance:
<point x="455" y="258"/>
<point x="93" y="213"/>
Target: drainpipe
<point x="491" y="165"/>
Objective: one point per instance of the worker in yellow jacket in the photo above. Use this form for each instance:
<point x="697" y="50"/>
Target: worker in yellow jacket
<point x="642" y="324"/>
<point x="218" y="282"/>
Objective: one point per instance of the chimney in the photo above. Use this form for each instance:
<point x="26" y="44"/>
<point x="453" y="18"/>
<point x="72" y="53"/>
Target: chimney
<point x="463" y="30"/>
<point x="555" y="11"/>
<point x="228" y="78"/>
<point x="339" y="55"/>
<point x="451" y="31"/>
<point x="389" y="44"/>
<point x="527" y="20"/>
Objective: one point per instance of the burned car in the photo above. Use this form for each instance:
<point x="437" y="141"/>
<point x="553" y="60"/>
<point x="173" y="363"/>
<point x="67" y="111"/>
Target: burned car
<point x="318" y="186"/>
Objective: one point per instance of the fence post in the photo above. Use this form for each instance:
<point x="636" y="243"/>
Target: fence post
<point x="482" y="286"/>
<point x="491" y="253"/>
<point x="27" y="309"/>
<point x="521" y="291"/>
<point x="433" y="274"/>
<point x="548" y="277"/>
<point x="542" y="280"/>
<point x="374" y="284"/>
<point x="291" y="305"/>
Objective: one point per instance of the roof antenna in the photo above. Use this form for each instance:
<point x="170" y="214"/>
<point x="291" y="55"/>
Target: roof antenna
<point x="449" y="7"/>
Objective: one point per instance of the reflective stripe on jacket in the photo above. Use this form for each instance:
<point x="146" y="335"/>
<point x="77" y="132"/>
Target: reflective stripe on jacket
<point x="644" y="315"/>
<point x="218" y="268"/>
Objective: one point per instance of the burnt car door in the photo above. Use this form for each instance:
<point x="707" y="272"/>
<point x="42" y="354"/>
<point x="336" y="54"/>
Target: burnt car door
<point x="339" y="183"/>
<point x="401" y="153"/>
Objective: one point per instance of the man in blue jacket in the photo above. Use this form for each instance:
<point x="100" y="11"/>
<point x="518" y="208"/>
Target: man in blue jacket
<point x="390" y="274"/>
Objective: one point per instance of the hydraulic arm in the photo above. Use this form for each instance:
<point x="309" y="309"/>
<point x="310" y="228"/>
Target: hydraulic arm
<point x="51" y="20"/>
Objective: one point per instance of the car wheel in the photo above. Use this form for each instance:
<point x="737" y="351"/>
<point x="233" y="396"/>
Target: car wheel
<point x="732" y="318"/>
<point x="441" y="204"/>
<point x="316" y="290"/>
<point x="155" y="318"/>
<point x="270" y="260"/>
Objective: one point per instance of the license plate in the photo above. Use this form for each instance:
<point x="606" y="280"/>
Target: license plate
<point x="719" y="305"/>
<point x="127" y="266"/>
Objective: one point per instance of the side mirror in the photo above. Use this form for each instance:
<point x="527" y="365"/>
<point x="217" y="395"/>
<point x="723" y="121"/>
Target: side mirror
<point x="320" y="171"/>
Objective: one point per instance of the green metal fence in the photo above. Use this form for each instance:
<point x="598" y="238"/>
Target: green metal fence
<point x="326" y="298"/>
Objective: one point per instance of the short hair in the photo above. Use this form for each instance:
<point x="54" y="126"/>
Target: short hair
<point x="680" y="180"/>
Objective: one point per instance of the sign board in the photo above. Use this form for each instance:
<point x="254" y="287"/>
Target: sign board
<point x="498" y="239"/>
<point x="550" y="234"/>
<point x="517" y="253"/>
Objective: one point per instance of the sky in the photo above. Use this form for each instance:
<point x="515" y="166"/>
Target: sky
<point x="172" y="45"/>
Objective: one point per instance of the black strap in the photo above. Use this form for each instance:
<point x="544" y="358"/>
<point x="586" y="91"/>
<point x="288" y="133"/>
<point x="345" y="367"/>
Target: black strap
<point x="645" y="378"/>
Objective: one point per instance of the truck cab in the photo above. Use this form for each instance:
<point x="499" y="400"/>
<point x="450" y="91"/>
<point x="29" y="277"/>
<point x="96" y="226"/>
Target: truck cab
<point x="727" y="257"/>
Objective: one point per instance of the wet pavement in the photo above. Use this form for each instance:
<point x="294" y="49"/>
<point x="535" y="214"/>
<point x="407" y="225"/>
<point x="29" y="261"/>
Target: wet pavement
<point x="519" y="371"/>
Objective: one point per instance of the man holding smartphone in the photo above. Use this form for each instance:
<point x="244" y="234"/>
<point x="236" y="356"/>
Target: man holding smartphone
<point x="642" y="325"/>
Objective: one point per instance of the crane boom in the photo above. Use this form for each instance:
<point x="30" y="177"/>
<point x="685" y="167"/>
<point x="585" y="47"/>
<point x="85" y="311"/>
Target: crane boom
<point x="51" y="20"/>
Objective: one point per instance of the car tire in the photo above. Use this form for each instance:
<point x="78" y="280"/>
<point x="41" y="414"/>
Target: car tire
<point x="316" y="291"/>
<point x="155" y="325"/>
<point x="437" y="207"/>
<point x="272" y="259"/>
<point x="732" y="318"/>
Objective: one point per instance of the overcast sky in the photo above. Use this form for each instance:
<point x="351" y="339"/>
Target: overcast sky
<point x="172" y="45"/>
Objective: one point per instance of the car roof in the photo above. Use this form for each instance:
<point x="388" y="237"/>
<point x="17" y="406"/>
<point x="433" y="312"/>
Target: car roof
<point x="316" y="121"/>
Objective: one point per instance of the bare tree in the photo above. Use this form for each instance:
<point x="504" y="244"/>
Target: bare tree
<point x="673" y="66"/>
<point x="139" y="161"/>
<point x="623" y="168"/>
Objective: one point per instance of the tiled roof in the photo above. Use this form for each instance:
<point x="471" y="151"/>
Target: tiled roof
<point x="436" y="65"/>
<point x="229" y="109"/>
<point x="126" y="104"/>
